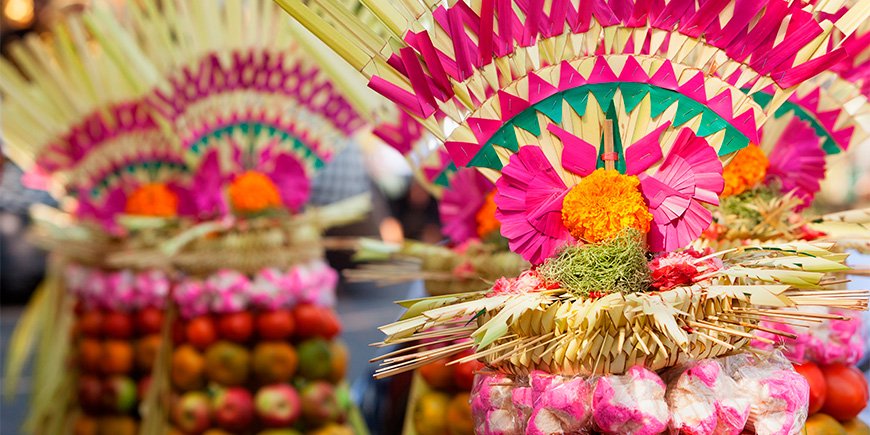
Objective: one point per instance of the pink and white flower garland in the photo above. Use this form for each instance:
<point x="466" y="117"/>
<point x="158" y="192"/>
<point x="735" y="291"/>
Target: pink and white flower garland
<point x="229" y="291"/>
<point x="225" y="291"/>
<point x="117" y="290"/>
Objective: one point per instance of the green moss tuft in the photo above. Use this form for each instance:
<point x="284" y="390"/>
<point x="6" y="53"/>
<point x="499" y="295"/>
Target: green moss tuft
<point x="618" y="265"/>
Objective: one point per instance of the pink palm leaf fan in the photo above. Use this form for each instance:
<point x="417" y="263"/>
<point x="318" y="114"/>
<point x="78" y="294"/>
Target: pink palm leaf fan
<point x="81" y="128"/>
<point x="604" y="126"/>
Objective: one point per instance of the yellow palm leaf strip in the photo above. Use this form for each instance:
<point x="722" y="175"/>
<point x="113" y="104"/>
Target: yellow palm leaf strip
<point x="423" y="353"/>
<point x="729" y="331"/>
<point x="522" y="347"/>
<point x="861" y="215"/>
<point x="344" y="43"/>
<point x="454" y="333"/>
<point x="784" y="321"/>
<point x="715" y="340"/>
<point x="436" y="354"/>
<point x="753" y="326"/>
<point x="410" y="348"/>
<point x="511" y="342"/>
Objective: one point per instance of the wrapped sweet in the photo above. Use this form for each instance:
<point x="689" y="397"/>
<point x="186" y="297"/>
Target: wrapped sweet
<point x="497" y="403"/>
<point x="560" y="404"/>
<point x="704" y="400"/>
<point x="631" y="404"/>
<point x="778" y="395"/>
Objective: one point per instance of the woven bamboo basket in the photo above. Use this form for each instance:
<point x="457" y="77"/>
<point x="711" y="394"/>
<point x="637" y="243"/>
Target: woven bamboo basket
<point x="609" y="335"/>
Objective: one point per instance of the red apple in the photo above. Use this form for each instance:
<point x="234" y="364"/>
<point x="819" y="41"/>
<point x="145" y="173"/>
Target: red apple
<point x="119" y="394"/>
<point x="201" y="332"/>
<point x="277" y="405"/>
<point x="308" y="319"/>
<point x="90" y="323"/>
<point x="463" y="373"/>
<point x="319" y="404"/>
<point x="236" y="327"/>
<point x="142" y="387"/>
<point x="90" y="394"/>
<point x="330" y="326"/>
<point x="118" y="325"/>
<point x="233" y="409"/>
<point x="192" y="412"/>
<point x="275" y="325"/>
<point x="149" y="320"/>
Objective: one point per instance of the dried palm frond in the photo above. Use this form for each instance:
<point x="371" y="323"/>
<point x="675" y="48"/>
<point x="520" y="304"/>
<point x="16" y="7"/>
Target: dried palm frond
<point x="444" y="270"/>
<point x="557" y="331"/>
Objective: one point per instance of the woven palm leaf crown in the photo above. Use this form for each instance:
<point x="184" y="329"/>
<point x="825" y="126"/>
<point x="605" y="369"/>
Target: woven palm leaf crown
<point x="526" y="92"/>
<point x="192" y="96"/>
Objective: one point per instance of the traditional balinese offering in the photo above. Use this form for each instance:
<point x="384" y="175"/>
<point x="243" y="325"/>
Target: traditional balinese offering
<point x="604" y="128"/>
<point x="473" y="256"/>
<point x="190" y="291"/>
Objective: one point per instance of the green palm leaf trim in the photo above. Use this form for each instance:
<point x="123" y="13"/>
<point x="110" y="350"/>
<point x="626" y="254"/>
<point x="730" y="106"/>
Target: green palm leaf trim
<point x="632" y="94"/>
<point x="828" y="144"/>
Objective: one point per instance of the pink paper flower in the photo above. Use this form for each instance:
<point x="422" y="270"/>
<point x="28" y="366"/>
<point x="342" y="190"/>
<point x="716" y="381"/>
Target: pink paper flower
<point x="460" y="203"/>
<point x="529" y="199"/>
<point x="530" y="192"/>
<point x="798" y="161"/>
<point x="690" y="175"/>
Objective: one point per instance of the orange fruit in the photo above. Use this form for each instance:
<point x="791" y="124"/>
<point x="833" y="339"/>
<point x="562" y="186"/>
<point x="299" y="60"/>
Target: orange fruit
<point x="85" y="425"/>
<point x="188" y="367"/>
<point x="90" y="355"/>
<point x="274" y="362"/>
<point x="339" y="360"/>
<point x="459" y="421"/>
<point x="438" y="374"/>
<point x="117" y="358"/>
<point x="227" y="363"/>
<point x="146" y="352"/>
<point x="823" y="424"/>
<point x="430" y="413"/>
<point x="856" y="427"/>
<point x="117" y="425"/>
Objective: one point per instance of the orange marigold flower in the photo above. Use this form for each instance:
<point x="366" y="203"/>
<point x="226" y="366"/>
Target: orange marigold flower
<point x="485" y="217"/>
<point x="745" y="171"/>
<point x="153" y="199"/>
<point x="252" y="192"/>
<point x="604" y="204"/>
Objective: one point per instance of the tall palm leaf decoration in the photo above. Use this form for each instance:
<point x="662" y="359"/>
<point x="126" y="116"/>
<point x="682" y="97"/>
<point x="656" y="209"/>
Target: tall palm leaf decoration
<point x="599" y="120"/>
<point x="673" y="79"/>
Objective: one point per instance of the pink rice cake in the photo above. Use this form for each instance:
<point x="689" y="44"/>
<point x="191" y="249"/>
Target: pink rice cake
<point x="561" y="404"/>
<point x="632" y="404"/>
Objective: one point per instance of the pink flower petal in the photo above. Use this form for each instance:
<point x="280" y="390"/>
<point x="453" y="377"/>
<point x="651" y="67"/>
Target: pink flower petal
<point x="529" y="198"/>
<point x="798" y="161"/>
<point x="460" y="203"/>
<point x="690" y="174"/>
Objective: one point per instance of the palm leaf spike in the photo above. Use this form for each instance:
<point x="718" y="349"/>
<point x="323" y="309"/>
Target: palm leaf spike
<point x="493" y="87"/>
<point x="77" y="120"/>
<point x="243" y="89"/>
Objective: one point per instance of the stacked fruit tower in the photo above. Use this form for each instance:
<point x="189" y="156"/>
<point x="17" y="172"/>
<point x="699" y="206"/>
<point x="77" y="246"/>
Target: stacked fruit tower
<point x="604" y="126"/>
<point x="182" y="141"/>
